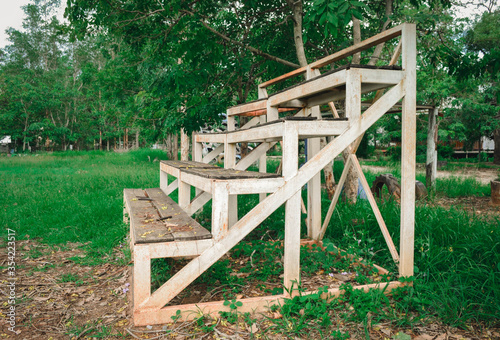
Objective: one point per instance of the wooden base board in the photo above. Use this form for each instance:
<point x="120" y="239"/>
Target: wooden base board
<point x="256" y="306"/>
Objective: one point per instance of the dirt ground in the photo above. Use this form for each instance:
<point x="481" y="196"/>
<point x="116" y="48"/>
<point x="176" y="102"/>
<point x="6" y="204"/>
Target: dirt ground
<point x="58" y="299"/>
<point x="483" y="175"/>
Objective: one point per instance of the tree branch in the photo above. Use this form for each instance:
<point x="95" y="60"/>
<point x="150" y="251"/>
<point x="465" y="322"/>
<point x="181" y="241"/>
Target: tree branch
<point x="248" y="47"/>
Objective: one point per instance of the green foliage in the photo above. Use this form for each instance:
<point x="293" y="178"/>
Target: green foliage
<point x="65" y="199"/>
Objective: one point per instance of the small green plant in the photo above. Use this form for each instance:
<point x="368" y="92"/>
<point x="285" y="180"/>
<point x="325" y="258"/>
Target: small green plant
<point x="69" y="277"/>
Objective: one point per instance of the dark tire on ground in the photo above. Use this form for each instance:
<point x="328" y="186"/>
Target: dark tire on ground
<point x="420" y="190"/>
<point x="394" y="188"/>
<point x="390" y="182"/>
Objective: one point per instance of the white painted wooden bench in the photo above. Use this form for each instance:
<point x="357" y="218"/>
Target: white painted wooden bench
<point x="222" y="186"/>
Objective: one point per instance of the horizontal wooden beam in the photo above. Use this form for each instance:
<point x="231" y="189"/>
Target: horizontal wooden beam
<point x="256" y="306"/>
<point x="176" y="249"/>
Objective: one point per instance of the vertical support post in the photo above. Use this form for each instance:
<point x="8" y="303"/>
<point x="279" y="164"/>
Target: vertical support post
<point x="353" y="113"/>
<point x="272" y="112"/>
<point x="220" y="210"/>
<point x="314" y="186"/>
<point x="184" y="194"/>
<point x="292" y="211"/>
<point x="431" y="162"/>
<point x="230" y="163"/>
<point x="197" y="149"/>
<point x="262" y="161"/>
<point x="163" y="181"/>
<point x="184" y="189"/>
<point x="197" y="154"/>
<point x="141" y="285"/>
<point x="408" y="133"/>
<point x="353" y="95"/>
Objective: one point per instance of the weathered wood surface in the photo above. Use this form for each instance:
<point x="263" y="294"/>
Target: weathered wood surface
<point x="318" y="90"/>
<point x="256" y="306"/>
<point x="155" y="218"/>
<point x="273" y="131"/>
<point x="188" y="164"/>
<point x="214" y="172"/>
<point x="256" y="108"/>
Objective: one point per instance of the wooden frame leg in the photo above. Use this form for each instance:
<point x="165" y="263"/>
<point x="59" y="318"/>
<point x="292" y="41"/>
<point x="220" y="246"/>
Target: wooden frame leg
<point x="262" y="161"/>
<point x="197" y="155"/>
<point x="184" y="194"/>
<point x="141" y="285"/>
<point x="292" y="213"/>
<point x="314" y="187"/>
<point x="164" y="182"/>
<point x="220" y="210"/>
<point x="408" y="151"/>
<point x="230" y="163"/>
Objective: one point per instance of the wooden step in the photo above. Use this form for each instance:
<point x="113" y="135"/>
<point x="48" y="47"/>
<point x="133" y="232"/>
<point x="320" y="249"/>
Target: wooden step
<point x="307" y="127"/>
<point x="255" y="108"/>
<point x="155" y="217"/>
<point x="331" y="86"/>
<point x="205" y="176"/>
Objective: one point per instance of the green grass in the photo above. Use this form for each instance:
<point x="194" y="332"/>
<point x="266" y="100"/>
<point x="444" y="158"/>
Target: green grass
<point x="77" y="197"/>
<point x="72" y="196"/>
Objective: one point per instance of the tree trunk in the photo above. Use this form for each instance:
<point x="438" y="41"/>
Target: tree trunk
<point x="125" y="139"/>
<point x="356" y="36"/>
<point x="171" y="146"/>
<point x="297" y="30"/>
<point x="431" y="162"/>
<point x="496" y="155"/>
<point x="184" y="146"/>
<point x="137" y="139"/>
<point x="378" y="49"/>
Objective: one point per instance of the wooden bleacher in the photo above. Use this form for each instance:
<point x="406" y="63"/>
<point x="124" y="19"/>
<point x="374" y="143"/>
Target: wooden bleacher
<point x="286" y="116"/>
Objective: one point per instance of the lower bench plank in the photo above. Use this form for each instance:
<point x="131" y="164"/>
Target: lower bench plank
<point x="155" y="218"/>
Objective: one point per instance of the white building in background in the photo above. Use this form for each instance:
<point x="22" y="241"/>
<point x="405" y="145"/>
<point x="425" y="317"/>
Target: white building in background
<point x="4" y="144"/>
<point x="488" y="144"/>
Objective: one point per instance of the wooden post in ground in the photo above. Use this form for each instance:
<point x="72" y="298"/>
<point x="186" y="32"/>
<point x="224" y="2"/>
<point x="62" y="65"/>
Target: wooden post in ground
<point x="262" y="161"/>
<point x="314" y="187"/>
<point x="292" y="212"/>
<point x="142" y="275"/>
<point x="184" y="189"/>
<point x="197" y="154"/>
<point x="230" y="163"/>
<point x="408" y="133"/>
<point x="431" y="162"/>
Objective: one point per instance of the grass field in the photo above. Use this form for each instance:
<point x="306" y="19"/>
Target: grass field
<point x="77" y="197"/>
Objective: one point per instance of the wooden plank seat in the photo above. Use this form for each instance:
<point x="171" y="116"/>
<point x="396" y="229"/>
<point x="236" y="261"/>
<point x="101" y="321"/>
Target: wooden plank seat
<point x="155" y="217"/>
<point x="159" y="228"/>
<point x="255" y="108"/>
<point x="206" y="177"/>
<point x="318" y="90"/>
<point x="331" y="85"/>
<point x="307" y="127"/>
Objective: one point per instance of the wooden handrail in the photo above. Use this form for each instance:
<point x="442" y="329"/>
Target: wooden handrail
<point x="365" y="44"/>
